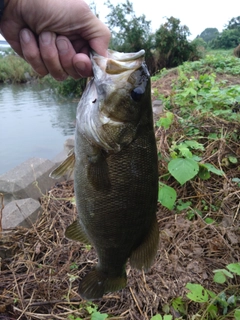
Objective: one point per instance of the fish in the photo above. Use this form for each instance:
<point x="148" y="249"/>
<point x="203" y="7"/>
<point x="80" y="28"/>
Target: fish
<point x="115" y="172"/>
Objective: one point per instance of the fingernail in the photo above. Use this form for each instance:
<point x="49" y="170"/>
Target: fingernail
<point x="46" y="37"/>
<point x="25" y="36"/>
<point x="80" y="66"/>
<point x="62" y="46"/>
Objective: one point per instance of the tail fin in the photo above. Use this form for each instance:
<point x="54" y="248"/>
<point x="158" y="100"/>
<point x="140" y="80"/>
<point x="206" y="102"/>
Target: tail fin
<point x="96" y="283"/>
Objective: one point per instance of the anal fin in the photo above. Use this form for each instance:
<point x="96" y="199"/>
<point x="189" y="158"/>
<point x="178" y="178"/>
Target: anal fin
<point x="75" y="232"/>
<point x="144" y="254"/>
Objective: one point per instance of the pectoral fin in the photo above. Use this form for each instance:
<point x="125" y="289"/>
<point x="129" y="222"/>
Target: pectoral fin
<point x="98" y="173"/>
<point x="66" y="166"/>
<point x="143" y="255"/>
<point x="75" y="232"/>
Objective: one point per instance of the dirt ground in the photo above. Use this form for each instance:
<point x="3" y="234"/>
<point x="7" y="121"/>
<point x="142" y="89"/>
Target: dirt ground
<point x="40" y="269"/>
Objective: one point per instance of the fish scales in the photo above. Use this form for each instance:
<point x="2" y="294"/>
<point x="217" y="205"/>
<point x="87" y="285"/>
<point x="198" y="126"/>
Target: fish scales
<point x="115" y="171"/>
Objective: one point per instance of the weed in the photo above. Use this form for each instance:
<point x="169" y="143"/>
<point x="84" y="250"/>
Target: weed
<point x="223" y="305"/>
<point x="92" y="311"/>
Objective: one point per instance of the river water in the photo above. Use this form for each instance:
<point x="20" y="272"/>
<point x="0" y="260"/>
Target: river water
<point x="33" y="123"/>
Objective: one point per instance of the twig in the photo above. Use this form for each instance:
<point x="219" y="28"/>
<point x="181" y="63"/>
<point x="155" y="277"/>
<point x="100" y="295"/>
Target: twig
<point x="134" y="298"/>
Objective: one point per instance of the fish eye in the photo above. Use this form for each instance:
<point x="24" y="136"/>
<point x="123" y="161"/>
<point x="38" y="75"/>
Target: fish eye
<point x="137" y="94"/>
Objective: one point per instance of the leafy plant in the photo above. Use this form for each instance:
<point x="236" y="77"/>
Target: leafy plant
<point x="212" y="305"/>
<point x="93" y="312"/>
<point x="184" y="166"/>
<point x="159" y="317"/>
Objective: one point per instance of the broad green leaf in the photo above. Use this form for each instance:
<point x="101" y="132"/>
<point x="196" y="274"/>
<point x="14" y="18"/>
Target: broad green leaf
<point x="166" y="121"/>
<point x="203" y="173"/>
<point x="183" y="205"/>
<point x="209" y="220"/>
<point x="99" y="316"/>
<point x="185" y="152"/>
<point x="233" y="159"/>
<point x="234" y="267"/>
<point x="178" y="305"/>
<point x="156" y="317"/>
<point x="194" y="145"/>
<point x="91" y="309"/>
<point x="197" y="292"/>
<point x="211" y="168"/>
<point x="183" y="169"/>
<point x="196" y="158"/>
<point x="237" y="314"/>
<point x="219" y="277"/>
<point x="189" y="91"/>
<point x="166" y="196"/>
<point x="227" y="273"/>
<point x="212" y="136"/>
<point x="167" y="317"/>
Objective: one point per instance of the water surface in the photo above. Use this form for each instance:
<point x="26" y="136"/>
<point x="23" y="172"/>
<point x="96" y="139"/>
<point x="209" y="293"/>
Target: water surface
<point x="32" y="123"/>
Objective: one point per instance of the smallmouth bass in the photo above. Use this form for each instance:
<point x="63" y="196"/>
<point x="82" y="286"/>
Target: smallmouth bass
<point x="115" y="171"/>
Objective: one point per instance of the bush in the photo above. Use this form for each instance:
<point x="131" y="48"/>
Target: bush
<point x="14" y="69"/>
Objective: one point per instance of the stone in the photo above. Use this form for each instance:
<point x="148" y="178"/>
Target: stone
<point x="22" y="212"/>
<point x="157" y="107"/>
<point x="28" y="180"/>
<point x="69" y="144"/>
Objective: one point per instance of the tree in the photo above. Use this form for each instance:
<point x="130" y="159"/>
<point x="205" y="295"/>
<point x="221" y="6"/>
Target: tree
<point x="129" y="32"/>
<point x="172" y="45"/>
<point x="209" y="34"/>
<point x="234" y="23"/>
<point x="228" y="39"/>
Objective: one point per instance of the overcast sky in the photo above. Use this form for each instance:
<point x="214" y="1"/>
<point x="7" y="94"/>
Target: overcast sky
<point x="196" y="15"/>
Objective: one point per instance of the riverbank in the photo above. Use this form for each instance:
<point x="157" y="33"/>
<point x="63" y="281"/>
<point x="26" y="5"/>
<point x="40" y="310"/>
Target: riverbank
<point x="13" y="69"/>
<point x="23" y="186"/>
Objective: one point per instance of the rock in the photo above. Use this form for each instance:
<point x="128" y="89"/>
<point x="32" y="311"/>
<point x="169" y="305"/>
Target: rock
<point x="28" y="180"/>
<point x="69" y="144"/>
<point x="157" y="107"/>
<point x="22" y="212"/>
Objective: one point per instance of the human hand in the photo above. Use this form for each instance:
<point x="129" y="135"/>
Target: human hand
<point x="54" y="36"/>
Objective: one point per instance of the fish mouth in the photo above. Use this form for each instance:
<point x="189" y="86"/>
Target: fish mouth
<point x="116" y="63"/>
<point x="125" y="57"/>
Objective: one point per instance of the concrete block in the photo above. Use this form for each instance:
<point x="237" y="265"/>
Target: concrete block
<point x="69" y="144"/>
<point x="28" y="180"/>
<point x="22" y="212"/>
